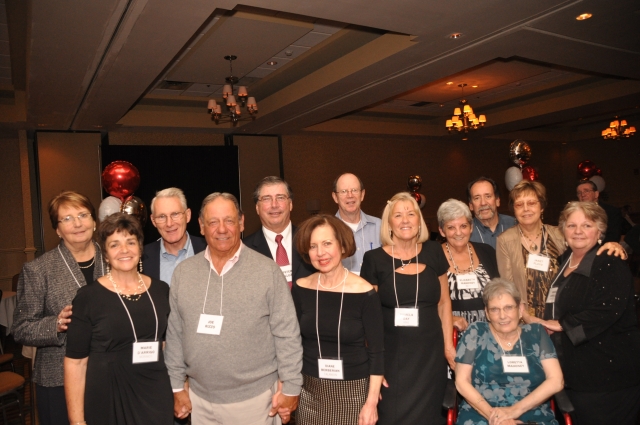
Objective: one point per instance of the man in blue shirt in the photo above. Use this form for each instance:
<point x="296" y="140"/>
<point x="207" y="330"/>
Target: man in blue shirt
<point x="348" y="193"/>
<point x="484" y="200"/>
<point x="170" y="215"/>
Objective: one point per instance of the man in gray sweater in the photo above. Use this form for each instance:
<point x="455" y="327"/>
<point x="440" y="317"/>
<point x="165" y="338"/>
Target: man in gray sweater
<point x="233" y="329"/>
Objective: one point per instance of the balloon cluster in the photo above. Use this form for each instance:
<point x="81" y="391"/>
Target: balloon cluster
<point x="519" y="154"/>
<point x="587" y="170"/>
<point x="414" y="184"/>
<point x="121" y="179"/>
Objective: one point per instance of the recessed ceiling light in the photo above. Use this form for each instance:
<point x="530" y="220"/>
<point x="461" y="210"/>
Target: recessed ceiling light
<point x="465" y="138"/>
<point x="449" y="83"/>
<point x="272" y="63"/>
<point x="583" y="17"/>
<point x="475" y="86"/>
<point x="455" y="35"/>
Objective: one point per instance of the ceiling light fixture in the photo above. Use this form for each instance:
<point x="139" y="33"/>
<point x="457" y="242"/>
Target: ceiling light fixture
<point x="464" y="118"/>
<point x="449" y="83"/>
<point x="455" y="35"/>
<point x="583" y="17"/>
<point x="617" y="130"/>
<point x="233" y="108"/>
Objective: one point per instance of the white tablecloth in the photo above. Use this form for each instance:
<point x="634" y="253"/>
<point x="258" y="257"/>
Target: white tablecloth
<point x="7" y="307"/>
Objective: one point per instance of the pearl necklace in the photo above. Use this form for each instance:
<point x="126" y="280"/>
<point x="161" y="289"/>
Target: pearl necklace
<point x="346" y="272"/>
<point x="569" y="265"/>
<point x="93" y="260"/>
<point x="131" y="297"/>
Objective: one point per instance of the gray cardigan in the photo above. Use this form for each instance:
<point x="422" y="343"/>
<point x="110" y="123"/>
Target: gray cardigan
<point x="259" y="341"/>
<point x="45" y="287"/>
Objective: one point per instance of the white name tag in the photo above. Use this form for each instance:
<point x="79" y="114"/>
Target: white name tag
<point x="538" y="262"/>
<point x="330" y="369"/>
<point x="468" y="281"/>
<point x="551" y="298"/>
<point x="145" y="352"/>
<point x="210" y="324"/>
<point x="515" y="364"/>
<point x="288" y="272"/>
<point x="406" y="317"/>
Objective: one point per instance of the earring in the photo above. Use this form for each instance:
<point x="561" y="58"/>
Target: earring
<point x="565" y="243"/>
<point x="391" y="234"/>
<point x="108" y="267"/>
<point x="541" y="216"/>
<point x="140" y="265"/>
<point x="94" y="227"/>
<point x="600" y="241"/>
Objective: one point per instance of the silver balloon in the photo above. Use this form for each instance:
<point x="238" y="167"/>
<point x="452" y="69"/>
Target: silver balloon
<point x="135" y="207"/>
<point x="108" y="206"/>
<point x="414" y="183"/>
<point x="519" y="152"/>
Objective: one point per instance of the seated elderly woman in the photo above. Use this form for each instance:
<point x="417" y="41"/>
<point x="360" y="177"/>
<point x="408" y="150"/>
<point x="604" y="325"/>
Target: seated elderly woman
<point x="591" y="305"/>
<point x="506" y="372"/>
<point x="471" y="264"/>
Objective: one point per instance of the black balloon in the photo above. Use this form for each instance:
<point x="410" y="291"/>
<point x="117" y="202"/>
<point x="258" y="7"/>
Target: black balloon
<point x="414" y="183"/>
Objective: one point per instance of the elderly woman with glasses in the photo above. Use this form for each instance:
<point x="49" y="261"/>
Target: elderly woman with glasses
<point x="592" y="308"/>
<point x="46" y="287"/>
<point x="471" y="264"/>
<point x="506" y="372"/>
<point x="528" y="253"/>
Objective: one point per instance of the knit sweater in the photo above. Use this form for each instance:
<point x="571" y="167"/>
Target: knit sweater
<point x="259" y="341"/>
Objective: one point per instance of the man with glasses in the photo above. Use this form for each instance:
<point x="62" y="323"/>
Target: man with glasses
<point x="587" y="191"/>
<point x="273" y="199"/>
<point x="348" y="193"/>
<point x="484" y="200"/>
<point x="170" y="215"/>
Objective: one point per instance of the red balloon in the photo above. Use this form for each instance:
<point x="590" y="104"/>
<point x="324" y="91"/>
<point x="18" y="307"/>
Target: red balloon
<point x="120" y="179"/>
<point x="417" y="197"/>
<point x="598" y="172"/>
<point x="587" y="168"/>
<point x="529" y="173"/>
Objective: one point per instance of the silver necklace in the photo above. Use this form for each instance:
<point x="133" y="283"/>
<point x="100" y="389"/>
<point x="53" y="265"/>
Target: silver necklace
<point x="455" y="266"/>
<point x="93" y="260"/>
<point x="509" y="344"/>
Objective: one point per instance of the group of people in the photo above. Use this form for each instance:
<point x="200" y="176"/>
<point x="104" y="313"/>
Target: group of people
<point x="345" y="319"/>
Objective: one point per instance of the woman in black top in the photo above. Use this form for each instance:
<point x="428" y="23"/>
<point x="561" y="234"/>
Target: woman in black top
<point x="341" y="328"/>
<point x="114" y="367"/>
<point x="591" y="307"/>
<point x="410" y="274"/>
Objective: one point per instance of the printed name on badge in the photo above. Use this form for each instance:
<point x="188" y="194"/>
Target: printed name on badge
<point x="551" y="298"/>
<point x="145" y="352"/>
<point x="210" y="324"/>
<point x="330" y="369"/>
<point x="538" y="262"/>
<point x="406" y="317"/>
<point x="515" y="364"/>
<point x="468" y="281"/>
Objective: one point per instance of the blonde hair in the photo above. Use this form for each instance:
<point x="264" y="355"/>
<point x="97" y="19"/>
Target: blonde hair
<point x="591" y="211"/>
<point x="385" y="228"/>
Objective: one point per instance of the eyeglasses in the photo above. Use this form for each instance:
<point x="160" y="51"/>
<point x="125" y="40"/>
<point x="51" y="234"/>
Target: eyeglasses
<point x="530" y="204"/>
<point x="344" y="192"/>
<point x="71" y="219"/>
<point x="508" y="309"/>
<point x="584" y="192"/>
<point x="281" y="199"/>
<point x="175" y="216"/>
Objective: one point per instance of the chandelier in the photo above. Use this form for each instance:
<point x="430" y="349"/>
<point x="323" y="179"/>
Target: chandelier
<point x="465" y="119"/>
<point x="233" y="112"/>
<point x="617" y="130"/>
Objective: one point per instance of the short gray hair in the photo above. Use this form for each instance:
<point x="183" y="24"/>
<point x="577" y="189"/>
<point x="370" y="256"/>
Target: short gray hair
<point x="500" y="286"/>
<point x="170" y="192"/>
<point x="224" y="195"/>
<point x="452" y="209"/>
<point x="270" y="181"/>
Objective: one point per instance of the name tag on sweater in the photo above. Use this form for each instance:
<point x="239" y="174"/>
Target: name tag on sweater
<point x="330" y="369"/>
<point x="210" y="324"/>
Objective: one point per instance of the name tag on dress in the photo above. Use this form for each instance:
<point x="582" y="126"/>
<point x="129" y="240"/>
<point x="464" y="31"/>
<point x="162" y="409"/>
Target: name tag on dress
<point x="468" y="281"/>
<point x="145" y="352"/>
<point x="551" y="298"/>
<point x="515" y="364"/>
<point x="210" y="324"/>
<point x="288" y="272"/>
<point x="538" y="262"/>
<point x="330" y="369"/>
<point x="406" y="317"/>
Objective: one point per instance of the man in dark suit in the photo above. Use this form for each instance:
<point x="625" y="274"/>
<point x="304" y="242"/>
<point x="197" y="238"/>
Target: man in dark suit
<point x="587" y="191"/>
<point x="170" y="215"/>
<point x="273" y="198"/>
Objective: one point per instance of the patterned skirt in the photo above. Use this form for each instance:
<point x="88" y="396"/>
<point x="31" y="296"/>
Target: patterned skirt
<point x="325" y="401"/>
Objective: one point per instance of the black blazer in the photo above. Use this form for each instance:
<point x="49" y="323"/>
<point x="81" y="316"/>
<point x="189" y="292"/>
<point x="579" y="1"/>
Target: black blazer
<point x="299" y="268"/>
<point x="487" y="256"/>
<point x="151" y="255"/>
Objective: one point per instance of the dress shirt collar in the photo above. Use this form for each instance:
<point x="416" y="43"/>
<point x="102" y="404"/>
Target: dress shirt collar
<point x="228" y="265"/>
<point x="186" y="246"/>
<point x="271" y="236"/>
<point x="364" y="219"/>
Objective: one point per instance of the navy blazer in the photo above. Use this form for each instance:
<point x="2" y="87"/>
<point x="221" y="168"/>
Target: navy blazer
<point x="151" y="255"/>
<point x="299" y="268"/>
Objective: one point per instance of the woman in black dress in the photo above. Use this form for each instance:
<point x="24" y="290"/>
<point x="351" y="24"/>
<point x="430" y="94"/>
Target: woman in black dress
<point x="114" y="366"/>
<point x="341" y="328"/>
<point x="410" y="274"/>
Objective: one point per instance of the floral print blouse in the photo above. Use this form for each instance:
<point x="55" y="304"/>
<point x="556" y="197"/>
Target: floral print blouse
<point x="479" y="348"/>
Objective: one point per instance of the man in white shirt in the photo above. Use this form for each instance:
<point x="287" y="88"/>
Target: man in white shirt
<point x="274" y="203"/>
<point x="348" y="193"/>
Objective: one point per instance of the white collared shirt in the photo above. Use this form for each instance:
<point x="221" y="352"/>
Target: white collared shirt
<point x="228" y="265"/>
<point x="287" y="241"/>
